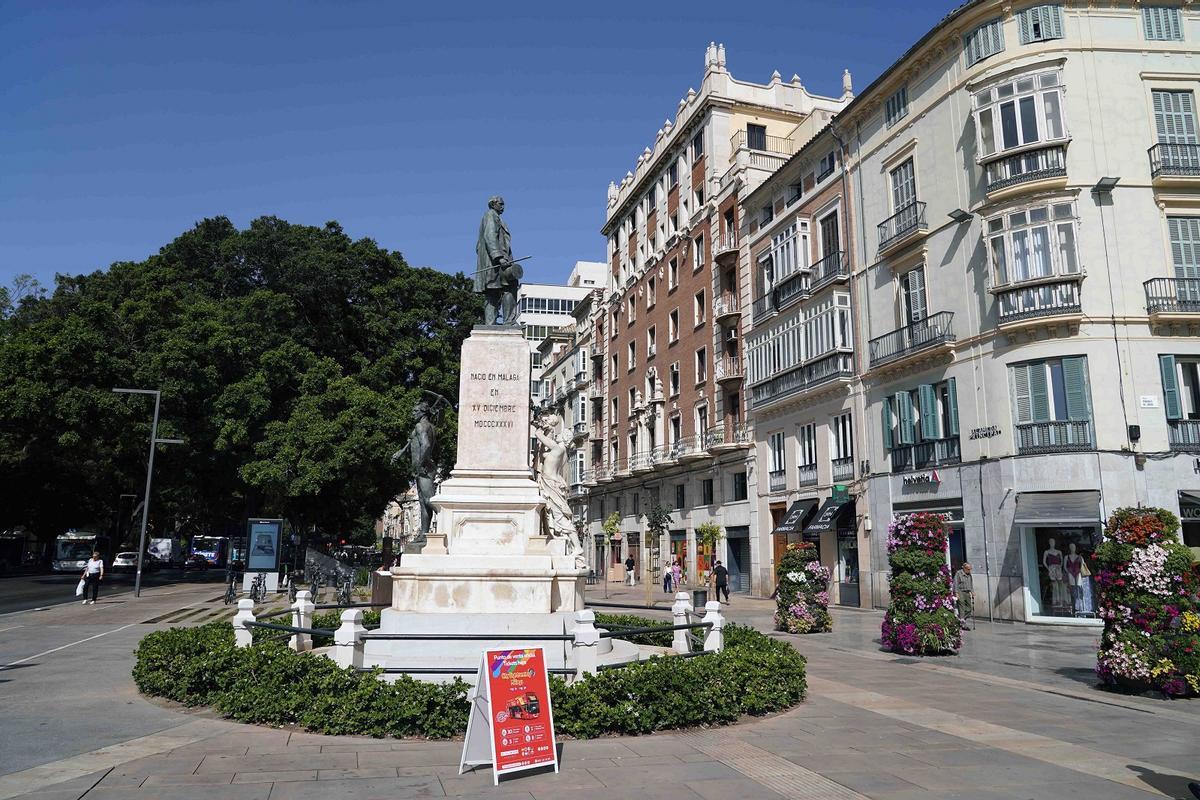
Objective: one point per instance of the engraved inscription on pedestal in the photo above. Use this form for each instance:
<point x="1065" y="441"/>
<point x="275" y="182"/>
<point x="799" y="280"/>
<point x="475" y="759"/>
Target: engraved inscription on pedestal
<point x="493" y="390"/>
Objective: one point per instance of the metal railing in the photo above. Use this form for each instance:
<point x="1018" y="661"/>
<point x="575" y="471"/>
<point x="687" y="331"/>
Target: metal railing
<point x="640" y="461"/>
<point x="1177" y="160"/>
<point x="1173" y="295"/>
<point x="777" y="480"/>
<point x="1034" y="165"/>
<point x="828" y="367"/>
<point x="726" y="243"/>
<point x="1054" y="437"/>
<point x="601" y="473"/>
<point x="790" y="288"/>
<point x="733" y="435"/>
<point x="1184" y="435"/>
<point x="762" y="308"/>
<point x="922" y="455"/>
<point x="764" y="143"/>
<point x="905" y="221"/>
<point x="806" y="475"/>
<point x="829" y="269"/>
<point x="725" y="304"/>
<point x="1047" y="300"/>
<point x="934" y="330"/>
<point x="843" y="469"/>
<point x="728" y="368"/>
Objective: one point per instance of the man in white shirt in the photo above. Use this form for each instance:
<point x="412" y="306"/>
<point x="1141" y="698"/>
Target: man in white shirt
<point x="93" y="573"/>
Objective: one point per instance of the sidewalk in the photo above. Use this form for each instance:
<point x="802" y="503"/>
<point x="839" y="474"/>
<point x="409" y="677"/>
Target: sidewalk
<point x="1010" y="718"/>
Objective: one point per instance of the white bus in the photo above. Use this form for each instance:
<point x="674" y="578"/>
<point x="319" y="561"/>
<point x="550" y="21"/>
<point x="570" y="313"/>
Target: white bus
<point x="73" y="549"/>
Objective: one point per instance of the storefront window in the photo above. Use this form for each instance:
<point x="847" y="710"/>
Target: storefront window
<point x="679" y="551"/>
<point x="1062" y="559"/>
<point x="847" y="568"/>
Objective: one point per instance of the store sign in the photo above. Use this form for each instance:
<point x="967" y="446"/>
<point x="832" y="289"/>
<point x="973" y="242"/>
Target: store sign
<point x="930" y="478"/>
<point x="1188" y="511"/>
<point x="841" y="493"/>
<point x="984" y="433"/>
<point x="511" y="725"/>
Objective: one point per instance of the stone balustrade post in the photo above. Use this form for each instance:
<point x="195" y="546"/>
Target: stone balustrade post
<point x="348" y="641"/>
<point x="714" y="640"/>
<point x="586" y="646"/>
<point x="302" y="615"/>
<point x="242" y="635"/>
<point x="679" y="612"/>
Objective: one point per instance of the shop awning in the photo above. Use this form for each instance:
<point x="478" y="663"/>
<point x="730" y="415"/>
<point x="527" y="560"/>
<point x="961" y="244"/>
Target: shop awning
<point x="793" y="521"/>
<point x="1191" y="498"/>
<point x="1058" y="508"/>
<point x="826" y="518"/>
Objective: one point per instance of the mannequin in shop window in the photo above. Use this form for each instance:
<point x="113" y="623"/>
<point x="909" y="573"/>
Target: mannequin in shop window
<point x="1080" y="582"/>
<point x="1052" y="560"/>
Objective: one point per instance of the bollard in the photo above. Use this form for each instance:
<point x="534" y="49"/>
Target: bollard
<point x="242" y="635"/>
<point x="348" y="641"/>
<point x="302" y="614"/>
<point x="587" y="643"/>
<point x="679" y="612"/>
<point x="714" y="640"/>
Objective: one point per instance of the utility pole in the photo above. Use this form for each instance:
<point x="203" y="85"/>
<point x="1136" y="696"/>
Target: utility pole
<point x="154" y="441"/>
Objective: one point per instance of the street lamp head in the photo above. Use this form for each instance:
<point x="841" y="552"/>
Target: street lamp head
<point x="958" y="215"/>
<point x="1105" y="185"/>
<point x="135" y="391"/>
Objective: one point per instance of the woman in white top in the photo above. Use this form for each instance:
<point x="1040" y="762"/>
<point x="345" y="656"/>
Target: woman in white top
<point x="93" y="573"/>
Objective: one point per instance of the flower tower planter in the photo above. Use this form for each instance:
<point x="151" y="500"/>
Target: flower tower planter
<point x="920" y="620"/>
<point x="802" y="598"/>
<point x="1148" y="600"/>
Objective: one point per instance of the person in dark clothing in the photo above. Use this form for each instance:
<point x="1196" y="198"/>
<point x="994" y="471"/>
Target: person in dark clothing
<point x="722" y="576"/>
<point x="629" y="565"/>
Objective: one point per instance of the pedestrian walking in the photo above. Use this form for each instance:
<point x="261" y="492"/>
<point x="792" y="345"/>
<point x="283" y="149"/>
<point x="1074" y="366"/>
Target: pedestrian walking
<point x="722" y="576"/>
<point x="676" y="575"/>
<point x="629" y="565"/>
<point x="964" y="587"/>
<point x="668" y="580"/>
<point x="93" y="573"/>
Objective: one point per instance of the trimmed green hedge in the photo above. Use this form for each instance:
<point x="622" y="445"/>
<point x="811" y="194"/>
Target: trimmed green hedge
<point x="269" y="684"/>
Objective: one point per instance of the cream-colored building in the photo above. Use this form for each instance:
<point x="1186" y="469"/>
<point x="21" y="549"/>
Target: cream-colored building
<point x="1026" y="190"/>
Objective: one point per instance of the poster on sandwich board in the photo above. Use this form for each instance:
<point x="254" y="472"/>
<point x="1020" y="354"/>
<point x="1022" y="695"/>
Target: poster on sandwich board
<point x="511" y="724"/>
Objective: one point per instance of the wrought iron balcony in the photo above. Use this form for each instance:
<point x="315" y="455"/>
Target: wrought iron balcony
<point x="726" y="245"/>
<point x="762" y="308"/>
<point x="1174" y="160"/>
<point x="726" y="437"/>
<point x="621" y="467"/>
<point x="726" y="306"/>
<point x="778" y="480"/>
<point x="806" y="475"/>
<point x="1184" y="435"/>
<point x="827" y="368"/>
<point x="600" y="474"/>
<point x="923" y="455"/>
<point x="933" y="331"/>
<point x="690" y="447"/>
<point x="640" y="462"/>
<point x="1054" y="437"/>
<point x="1173" y="295"/>
<point x="831" y="268"/>
<point x="793" y="287"/>
<point x="728" y="368"/>
<point x="660" y="455"/>
<point x="843" y="469"/>
<point x="1046" y="300"/>
<point x="762" y="142"/>
<point x="902" y="224"/>
<point x="1032" y="165"/>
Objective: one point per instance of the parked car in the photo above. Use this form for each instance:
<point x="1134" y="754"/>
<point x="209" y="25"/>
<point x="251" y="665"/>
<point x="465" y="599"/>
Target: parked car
<point x="124" y="562"/>
<point x="196" y="562"/>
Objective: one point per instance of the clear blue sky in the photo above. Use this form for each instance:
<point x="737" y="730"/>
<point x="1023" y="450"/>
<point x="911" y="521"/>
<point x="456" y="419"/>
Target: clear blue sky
<point x="123" y="123"/>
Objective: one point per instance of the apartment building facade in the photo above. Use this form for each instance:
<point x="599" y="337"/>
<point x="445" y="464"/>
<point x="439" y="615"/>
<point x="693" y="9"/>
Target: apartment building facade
<point x="1026" y="187"/>
<point x="543" y="308"/>
<point x="803" y="391"/>
<point x="668" y="416"/>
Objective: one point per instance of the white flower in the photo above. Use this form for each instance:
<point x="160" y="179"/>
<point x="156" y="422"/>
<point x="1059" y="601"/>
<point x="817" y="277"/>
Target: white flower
<point x="796" y="576"/>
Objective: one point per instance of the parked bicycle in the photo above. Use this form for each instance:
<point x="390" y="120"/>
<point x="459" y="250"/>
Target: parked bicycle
<point x="314" y="585"/>
<point x="291" y="588"/>
<point x="346" y="592"/>
<point x="230" y="589"/>
<point x="258" y="589"/>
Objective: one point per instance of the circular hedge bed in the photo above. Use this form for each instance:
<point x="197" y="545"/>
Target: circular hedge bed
<point x="272" y="685"/>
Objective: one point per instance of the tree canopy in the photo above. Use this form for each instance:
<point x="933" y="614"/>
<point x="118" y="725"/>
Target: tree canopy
<point x="289" y="358"/>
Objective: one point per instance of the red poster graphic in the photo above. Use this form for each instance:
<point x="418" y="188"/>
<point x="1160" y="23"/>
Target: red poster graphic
<point x="521" y="721"/>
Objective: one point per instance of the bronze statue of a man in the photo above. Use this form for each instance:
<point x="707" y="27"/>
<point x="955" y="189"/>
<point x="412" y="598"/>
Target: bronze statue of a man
<point x="496" y="275"/>
<point x="422" y="459"/>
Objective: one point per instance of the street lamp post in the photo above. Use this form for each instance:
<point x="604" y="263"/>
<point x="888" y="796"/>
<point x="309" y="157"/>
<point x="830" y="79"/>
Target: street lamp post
<point x="154" y="441"/>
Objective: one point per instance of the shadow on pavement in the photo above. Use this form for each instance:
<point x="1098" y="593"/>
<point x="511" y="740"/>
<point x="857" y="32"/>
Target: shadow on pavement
<point x="1167" y="783"/>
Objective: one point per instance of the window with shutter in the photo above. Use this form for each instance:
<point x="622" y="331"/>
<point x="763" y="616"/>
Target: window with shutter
<point x="912" y="290"/>
<point x="896" y="107"/>
<point x="1021" y="399"/>
<point x="984" y="41"/>
<point x="1174" y="117"/>
<point x="1170" y="381"/>
<point x="888" y="442"/>
<point x="1040" y="24"/>
<point x="1161" y="23"/>
<point x="904" y="410"/>
<point x="1039" y="395"/>
<point x="927" y="399"/>
<point x="1185" y="245"/>
<point x="951" y="408"/>
<point x="1075" y="386"/>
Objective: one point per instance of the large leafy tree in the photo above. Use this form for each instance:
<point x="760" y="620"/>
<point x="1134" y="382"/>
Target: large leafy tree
<point x="289" y="357"/>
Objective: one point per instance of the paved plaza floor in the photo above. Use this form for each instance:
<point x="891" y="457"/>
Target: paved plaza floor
<point x="1015" y="715"/>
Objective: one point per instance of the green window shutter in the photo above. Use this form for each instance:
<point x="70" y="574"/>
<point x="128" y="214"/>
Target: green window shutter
<point x="1052" y="22"/>
<point x="927" y="398"/>
<point x="952" y="399"/>
<point x="905" y="412"/>
<point x="1025" y="24"/>
<point x="887" y="423"/>
<point x="1039" y="397"/>
<point x="1075" y="384"/>
<point x="1022" y="405"/>
<point x="1166" y="365"/>
<point x="1185" y="245"/>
